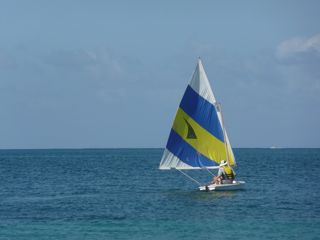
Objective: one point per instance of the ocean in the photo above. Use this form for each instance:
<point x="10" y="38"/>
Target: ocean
<point x="121" y="194"/>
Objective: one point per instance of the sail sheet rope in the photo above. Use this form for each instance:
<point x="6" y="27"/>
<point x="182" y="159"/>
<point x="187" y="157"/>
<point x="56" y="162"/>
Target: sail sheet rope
<point x="209" y="171"/>
<point x="194" y="180"/>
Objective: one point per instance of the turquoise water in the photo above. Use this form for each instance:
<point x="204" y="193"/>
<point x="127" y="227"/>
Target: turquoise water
<point x="120" y="194"/>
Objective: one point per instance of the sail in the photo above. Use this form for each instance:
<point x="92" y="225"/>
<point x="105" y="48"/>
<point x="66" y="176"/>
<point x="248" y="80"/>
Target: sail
<point x="196" y="138"/>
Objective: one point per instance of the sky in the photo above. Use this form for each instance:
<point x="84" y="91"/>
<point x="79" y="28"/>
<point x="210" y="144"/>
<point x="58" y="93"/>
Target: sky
<point x="108" y="74"/>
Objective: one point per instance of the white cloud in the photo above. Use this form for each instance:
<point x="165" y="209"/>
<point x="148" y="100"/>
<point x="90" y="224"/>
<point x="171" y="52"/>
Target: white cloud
<point x="298" y="45"/>
<point x="299" y="65"/>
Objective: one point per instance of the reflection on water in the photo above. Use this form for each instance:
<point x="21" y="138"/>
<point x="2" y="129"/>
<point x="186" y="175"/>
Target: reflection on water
<point x="198" y="195"/>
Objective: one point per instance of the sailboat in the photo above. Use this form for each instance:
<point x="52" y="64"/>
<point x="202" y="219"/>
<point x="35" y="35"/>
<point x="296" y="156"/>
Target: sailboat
<point x="198" y="138"/>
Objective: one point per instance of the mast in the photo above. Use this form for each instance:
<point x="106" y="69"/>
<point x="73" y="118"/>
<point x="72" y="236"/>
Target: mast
<point x="224" y="133"/>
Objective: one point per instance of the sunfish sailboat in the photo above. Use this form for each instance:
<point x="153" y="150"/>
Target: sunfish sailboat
<point x="198" y="139"/>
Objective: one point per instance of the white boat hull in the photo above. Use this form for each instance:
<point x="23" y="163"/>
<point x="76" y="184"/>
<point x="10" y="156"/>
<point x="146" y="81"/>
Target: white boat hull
<point x="236" y="185"/>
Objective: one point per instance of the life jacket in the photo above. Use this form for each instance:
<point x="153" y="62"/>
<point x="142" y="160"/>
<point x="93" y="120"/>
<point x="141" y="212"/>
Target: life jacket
<point x="229" y="174"/>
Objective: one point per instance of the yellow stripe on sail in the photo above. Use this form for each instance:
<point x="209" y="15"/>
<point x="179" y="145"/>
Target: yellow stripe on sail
<point x="201" y="140"/>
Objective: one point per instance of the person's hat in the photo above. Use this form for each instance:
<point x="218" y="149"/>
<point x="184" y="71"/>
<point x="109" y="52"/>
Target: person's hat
<point x="223" y="163"/>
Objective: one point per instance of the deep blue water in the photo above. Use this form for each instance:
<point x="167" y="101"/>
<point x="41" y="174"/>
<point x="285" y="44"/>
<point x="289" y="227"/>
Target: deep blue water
<point x="121" y="194"/>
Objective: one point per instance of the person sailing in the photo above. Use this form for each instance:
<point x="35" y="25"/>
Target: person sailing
<point x="225" y="174"/>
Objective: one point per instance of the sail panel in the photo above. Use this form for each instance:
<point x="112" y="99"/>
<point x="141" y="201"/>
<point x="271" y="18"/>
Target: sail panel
<point x="202" y="112"/>
<point x="186" y="153"/>
<point x="169" y="160"/>
<point x="200" y="83"/>
<point x="203" y="142"/>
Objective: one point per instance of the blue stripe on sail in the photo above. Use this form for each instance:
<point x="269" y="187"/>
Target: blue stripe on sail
<point x="202" y="111"/>
<point x="187" y="153"/>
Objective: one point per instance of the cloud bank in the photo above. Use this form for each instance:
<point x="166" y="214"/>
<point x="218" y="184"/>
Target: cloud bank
<point x="299" y="45"/>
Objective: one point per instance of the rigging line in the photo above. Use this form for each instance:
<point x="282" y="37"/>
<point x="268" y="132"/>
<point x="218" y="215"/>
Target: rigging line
<point x="208" y="171"/>
<point x="233" y="171"/>
<point x="189" y="177"/>
<point x="202" y="166"/>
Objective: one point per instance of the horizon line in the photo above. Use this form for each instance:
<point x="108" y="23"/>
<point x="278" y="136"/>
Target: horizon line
<point x="111" y="148"/>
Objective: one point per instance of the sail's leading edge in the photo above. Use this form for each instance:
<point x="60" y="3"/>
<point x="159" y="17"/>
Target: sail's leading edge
<point x="196" y="138"/>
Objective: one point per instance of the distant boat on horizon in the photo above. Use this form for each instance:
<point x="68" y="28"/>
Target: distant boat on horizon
<point x="275" y="147"/>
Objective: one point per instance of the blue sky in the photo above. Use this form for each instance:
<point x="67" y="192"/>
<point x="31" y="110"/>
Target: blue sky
<point x="112" y="73"/>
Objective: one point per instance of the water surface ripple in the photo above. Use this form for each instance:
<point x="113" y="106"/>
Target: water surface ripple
<point x="121" y="194"/>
